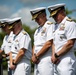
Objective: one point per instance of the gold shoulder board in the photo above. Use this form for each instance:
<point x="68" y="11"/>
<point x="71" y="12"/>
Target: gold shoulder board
<point x="24" y="32"/>
<point x="68" y="19"/>
<point x="49" y="23"/>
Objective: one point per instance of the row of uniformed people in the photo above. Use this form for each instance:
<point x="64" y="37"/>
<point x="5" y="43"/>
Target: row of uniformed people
<point x="6" y="41"/>
<point x="16" y="45"/>
<point x="52" y="52"/>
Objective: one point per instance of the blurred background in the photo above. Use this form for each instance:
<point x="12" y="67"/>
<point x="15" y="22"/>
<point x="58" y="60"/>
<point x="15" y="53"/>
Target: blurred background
<point x="21" y="8"/>
<point x="14" y="8"/>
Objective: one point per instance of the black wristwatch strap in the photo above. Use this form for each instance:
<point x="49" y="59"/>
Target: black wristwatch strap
<point x="56" y="56"/>
<point x="14" y="63"/>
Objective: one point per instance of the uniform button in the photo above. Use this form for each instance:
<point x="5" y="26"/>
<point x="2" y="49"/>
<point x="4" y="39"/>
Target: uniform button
<point x="15" y="47"/>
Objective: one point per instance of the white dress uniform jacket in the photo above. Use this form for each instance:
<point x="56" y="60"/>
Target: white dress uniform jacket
<point x="7" y="43"/>
<point x="22" y="40"/>
<point x="65" y="31"/>
<point x="41" y="36"/>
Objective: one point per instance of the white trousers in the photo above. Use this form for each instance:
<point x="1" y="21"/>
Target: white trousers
<point x="23" y="68"/>
<point x="66" y="65"/>
<point x="45" y="67"/>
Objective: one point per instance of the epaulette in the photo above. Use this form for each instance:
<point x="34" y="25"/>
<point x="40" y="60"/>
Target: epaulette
<point x="49" y="23"/>
<point x="68" y="19"/>
<point x="24" y="32"/>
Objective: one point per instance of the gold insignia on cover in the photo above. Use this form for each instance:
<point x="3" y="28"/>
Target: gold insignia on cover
<point x="10" y="27"/>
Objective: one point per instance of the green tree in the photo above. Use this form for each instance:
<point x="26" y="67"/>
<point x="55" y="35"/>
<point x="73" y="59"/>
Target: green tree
<point x="1" y="37"/>
<point x="68" y="12"/>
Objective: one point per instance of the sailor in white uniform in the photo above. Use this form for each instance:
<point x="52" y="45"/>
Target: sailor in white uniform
<point x="21" y="50"/>
<point x="43" y="37"/>
<point x="7" y="41"/>
<point x="64" y="39"/>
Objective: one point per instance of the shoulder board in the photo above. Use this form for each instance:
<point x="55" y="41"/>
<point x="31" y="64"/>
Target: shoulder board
<point x="68" y="19"/>
<point x="24" y="32"/>
<point x="49" y="23"/>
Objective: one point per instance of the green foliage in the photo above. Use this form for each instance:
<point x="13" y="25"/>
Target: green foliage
<point x="1" y="37"/>
<point x="4" y="64"/>
<point x="75" y="52"/>
<point x="68" y="11"/>
<point x="74" y="20"/>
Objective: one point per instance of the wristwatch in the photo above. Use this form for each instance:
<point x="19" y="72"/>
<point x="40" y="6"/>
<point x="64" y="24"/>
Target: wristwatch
<point x="36" y="57"/>
<point x="14" y="63"/>
<point x="56" y="56"/>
